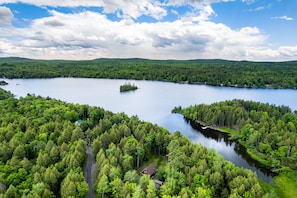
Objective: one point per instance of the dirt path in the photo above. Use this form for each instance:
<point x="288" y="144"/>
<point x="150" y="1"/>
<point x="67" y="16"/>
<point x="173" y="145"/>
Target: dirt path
<point x="89" y="171"/>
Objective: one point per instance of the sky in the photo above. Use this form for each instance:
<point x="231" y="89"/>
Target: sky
<point x="255" y="30"/>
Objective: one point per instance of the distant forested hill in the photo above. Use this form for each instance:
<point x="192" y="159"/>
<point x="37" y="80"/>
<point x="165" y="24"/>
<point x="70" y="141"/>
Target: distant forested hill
<point x="211" y="72"/>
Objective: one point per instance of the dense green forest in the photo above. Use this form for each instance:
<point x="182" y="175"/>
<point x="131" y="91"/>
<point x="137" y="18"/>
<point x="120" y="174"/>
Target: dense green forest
<point x="267" y="131"/>
<point x="43" y="154"/>
<point x="210" y="72"/>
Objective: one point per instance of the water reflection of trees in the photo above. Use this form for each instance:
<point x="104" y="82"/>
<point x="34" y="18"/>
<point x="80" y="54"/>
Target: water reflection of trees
<point x="238" y="148"/>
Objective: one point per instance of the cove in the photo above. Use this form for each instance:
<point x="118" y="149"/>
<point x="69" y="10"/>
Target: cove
<point x="153" y="102"/>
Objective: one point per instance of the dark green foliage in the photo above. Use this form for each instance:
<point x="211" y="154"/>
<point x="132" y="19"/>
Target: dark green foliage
<point x="5" y="94"/>
<point x="210" y="72"/>
<point x="2" y="82"/>
<point x="267" y="131"/>
<point x="128" y="87"/>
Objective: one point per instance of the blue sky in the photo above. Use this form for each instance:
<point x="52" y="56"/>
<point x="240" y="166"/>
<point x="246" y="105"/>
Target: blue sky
<point x="257" y="30"/>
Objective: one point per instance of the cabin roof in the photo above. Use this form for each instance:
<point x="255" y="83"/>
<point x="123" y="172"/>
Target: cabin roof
<point x="149" y="170"/>
<point x="158" y="183"/>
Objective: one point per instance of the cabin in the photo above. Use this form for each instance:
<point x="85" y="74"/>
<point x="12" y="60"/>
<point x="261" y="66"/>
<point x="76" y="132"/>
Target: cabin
<point x="149" y="170"/>
<point x="78" y="122"/>
<point x="158" y="183"/>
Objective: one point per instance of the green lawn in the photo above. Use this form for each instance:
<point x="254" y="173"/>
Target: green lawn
<point x="287" y="182"/>
<point x="283" y="186"/>
<point x="156" y="160"/>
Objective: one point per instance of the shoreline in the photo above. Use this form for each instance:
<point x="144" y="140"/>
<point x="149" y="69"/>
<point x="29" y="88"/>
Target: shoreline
<point x="249" y="155"/>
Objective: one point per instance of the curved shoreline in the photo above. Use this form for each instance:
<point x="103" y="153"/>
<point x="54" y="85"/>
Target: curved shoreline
<point x="239" y="148"/>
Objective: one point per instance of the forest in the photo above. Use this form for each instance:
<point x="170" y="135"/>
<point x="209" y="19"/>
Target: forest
<point x="210" y="72"/>
<point x="43" y="154"/>
<point x="268" y="132"/>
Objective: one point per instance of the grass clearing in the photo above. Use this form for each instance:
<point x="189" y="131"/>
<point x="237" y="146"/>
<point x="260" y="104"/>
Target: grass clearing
<point x="283" y="186"/>
<point x="156" y="160"/>
<point x="287" y="182"/>
<point x="231" y="131"/>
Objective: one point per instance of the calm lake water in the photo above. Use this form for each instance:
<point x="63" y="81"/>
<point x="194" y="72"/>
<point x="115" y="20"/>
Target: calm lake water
<point x="153" y="102"/>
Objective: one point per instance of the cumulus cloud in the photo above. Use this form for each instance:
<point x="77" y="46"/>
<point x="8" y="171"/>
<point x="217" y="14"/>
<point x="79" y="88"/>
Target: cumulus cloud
<point x="289" y="51"/>
<point x="128" y="8"/>
<point x="5" y="16"/>
<point x="194" y="3"/>
<point x="67" y="3"/>
<point x="54" y="23"/>
<point x="89" y="35"/>
<point x="134" y="8"/>
<point x="203" y="14"/>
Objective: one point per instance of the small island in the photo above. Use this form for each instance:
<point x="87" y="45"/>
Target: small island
<point x="2" y="82"/>
<point x="128" y="87"/>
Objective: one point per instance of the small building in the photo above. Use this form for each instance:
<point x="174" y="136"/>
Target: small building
<point x="149" y="170"/>
<point x="78" y="122"/>
<point x="158" y="183"/>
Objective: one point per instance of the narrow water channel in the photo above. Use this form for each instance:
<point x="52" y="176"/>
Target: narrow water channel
<point x="243" y="158"/>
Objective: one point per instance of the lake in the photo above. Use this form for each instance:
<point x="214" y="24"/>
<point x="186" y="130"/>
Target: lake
<point x="153" y="102"/>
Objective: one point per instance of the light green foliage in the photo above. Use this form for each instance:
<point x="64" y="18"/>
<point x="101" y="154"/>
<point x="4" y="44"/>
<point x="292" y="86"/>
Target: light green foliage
<point x="138" y="192"/>
<point x="12" y="192"/>
<point x="131" y="176"/>
<point x="103" y="186"/>
<point x="151" y="190"/>
<point x="74" y="185"/>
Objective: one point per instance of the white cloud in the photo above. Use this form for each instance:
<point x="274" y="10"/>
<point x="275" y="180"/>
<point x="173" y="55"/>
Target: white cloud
<point x="192" y="2"/>
<point x="257" y="9"/>
<point x="289" y="51"/>
<point x="248" y="1"/>
<point x="129" y="8"/>
<point x="6" y="16"/>
<point x="89" y="35"/>
<point x="134" y="8"/>
<point x="68" y="3"/>
<point x="283" y="18"/>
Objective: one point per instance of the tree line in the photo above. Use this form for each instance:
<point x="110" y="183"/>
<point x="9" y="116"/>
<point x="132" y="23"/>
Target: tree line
<point x="267" y="131"/>
<point x="209" y="72"/>
<point x="43" y="154"/>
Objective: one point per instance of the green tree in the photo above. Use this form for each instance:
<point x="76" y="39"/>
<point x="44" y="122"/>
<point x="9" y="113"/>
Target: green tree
<point x="138" y="192"/>
<point x="51" y="177"/>
<point x="74" y="185"/>
<point x="12" y="192"/>
<point x="131" y="176"/>
<point x="151" y="190"/>
<point x="103" y="186"/>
